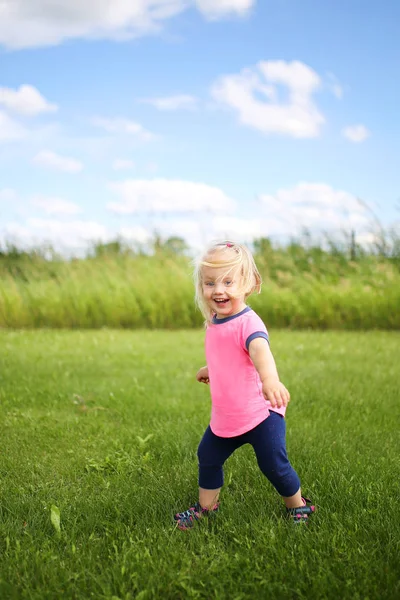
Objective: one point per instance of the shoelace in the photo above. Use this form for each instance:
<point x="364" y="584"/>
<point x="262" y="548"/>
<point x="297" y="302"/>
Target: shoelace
<point x="190" y="511"/>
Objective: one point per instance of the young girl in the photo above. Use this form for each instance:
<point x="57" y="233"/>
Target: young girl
<point x="248" y="400"/>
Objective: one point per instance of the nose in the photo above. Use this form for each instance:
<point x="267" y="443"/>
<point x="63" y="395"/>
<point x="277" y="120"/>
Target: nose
<point x="219" y="288"/>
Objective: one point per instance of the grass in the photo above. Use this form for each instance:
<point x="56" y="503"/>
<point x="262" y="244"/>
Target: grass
<point x="104" y="425"/>
<point x="303" y="288"/>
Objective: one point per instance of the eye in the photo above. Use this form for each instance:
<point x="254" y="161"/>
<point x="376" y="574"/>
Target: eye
<point x="228" y="282"/>
<point x="209" y="283"/>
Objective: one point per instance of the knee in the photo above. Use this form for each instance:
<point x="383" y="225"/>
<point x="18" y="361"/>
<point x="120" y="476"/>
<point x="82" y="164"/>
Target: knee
<point x="202" y="453"/>
<point x="206" y="453"/>
<point x="276" y="467"/>
<point x="282" y="476"/>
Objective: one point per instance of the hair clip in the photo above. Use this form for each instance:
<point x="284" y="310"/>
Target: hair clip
<point x="229" y="245"/>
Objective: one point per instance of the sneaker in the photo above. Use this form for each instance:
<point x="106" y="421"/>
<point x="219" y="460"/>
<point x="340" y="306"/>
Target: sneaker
<point x="186" y="519"/>
<point x="301" y="513"/>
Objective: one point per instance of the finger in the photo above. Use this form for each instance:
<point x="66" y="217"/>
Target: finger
<point x="278" y="399"/>
<point x="284" y="395"/>
<point x="271" y="399"/>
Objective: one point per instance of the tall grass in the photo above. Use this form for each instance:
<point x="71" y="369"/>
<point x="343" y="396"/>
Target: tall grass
<point x="304" y="287"/>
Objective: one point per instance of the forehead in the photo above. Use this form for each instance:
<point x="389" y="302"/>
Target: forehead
<point x="224" y="259"/>
<point x="216" y="273"/>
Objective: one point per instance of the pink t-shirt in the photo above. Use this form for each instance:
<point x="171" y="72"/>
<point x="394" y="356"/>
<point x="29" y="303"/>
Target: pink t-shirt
<point x="238" y="404"/>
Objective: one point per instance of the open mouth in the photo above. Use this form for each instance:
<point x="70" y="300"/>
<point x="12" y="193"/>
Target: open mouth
<point x="222" y="302"/>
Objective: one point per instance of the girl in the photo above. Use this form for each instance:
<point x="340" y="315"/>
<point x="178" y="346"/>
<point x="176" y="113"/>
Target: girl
<point x="248" y="400"/>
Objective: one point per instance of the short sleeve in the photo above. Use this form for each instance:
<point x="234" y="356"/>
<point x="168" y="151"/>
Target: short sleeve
<point x="252" y="328"/>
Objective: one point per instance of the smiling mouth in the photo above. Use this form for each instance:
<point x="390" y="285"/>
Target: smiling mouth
<point x="224" y="301"/>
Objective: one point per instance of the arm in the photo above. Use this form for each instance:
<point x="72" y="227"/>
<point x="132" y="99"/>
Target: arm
<point x="274" y="391"/>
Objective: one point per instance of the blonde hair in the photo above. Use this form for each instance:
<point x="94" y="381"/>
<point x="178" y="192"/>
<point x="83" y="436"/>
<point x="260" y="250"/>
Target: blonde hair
<point x="234" y="256"/>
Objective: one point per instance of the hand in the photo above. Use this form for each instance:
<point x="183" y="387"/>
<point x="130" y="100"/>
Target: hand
<point x="202" y="375"/>
<point x="275" y="392"/>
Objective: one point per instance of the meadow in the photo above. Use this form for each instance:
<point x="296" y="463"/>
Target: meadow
<point x="305" y="286"/>
<point x="98" y="438"/>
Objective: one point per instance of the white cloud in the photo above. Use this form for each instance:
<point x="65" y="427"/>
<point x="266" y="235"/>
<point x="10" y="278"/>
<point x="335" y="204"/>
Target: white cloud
<point x="168" y="196"/>
<point x="51" y="160"/>
<point x="312" y="206"/>
<point x="356" y="133"/>
<point x="135" y="234"/>
<point x="368" y="238"/>
<point x="69" y="237"/>
<point x="254" y="95"/>
<point x="30" y="23"/>
<point x="179" y="102"/>
<point x="27" y="100"/>
<point x="56" y="206"/>
<point x="123" y="127"/>
<point x="59" y="233"/>
<point x="215" y="9"/>
<point x="121" y="164"/>
<point x="238" y="229"/>
<point x="9" y="129"/>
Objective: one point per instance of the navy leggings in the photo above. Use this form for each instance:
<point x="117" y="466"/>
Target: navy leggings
<point x="268" y="441"/>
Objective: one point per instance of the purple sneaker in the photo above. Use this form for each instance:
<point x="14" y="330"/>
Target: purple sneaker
<point x="186" y="520"/>
<point x="301" y="514"/>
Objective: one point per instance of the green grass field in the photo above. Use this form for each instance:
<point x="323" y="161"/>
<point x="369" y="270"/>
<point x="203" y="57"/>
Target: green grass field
<point x="104" y="425"/>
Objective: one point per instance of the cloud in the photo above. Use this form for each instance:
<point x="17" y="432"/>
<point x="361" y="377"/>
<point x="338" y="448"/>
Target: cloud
<point x="254" y="95"/>
<point x="123" y="127"/>
<point x="69" y="237"/>
<point x="51" y="160"/>
<point x="356" y="133"/>
<point x="136" y="234"/>
<point x="9" y="129"/>
<point x="238" y="229"/>
<point x="179" y="102"/>
<point x="215" y="9"/>
<point x="27" y="100"/>
<point x="59" y="233"/>
<point x="56" y="206"/>
<point x="312" y="206"/>
<point x="32" y="23"/>
<point x="121" y="164"/>
<point x="168" y="196"/>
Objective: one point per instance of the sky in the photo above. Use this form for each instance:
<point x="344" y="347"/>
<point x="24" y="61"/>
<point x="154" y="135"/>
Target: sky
<point x="202" y="119"/>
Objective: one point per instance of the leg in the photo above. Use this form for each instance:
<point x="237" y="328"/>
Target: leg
<point x="269" y="442"/>
<point x="293" y="501"/>
<point x="212" y="453"/>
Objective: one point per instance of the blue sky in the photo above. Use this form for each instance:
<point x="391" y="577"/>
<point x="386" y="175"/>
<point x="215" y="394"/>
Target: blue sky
<point x="198" y="118"/>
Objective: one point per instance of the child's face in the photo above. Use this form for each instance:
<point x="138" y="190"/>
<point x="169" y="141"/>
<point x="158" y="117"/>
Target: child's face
<point x="219" y="290"/>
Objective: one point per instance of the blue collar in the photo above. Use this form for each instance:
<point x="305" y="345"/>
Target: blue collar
<point x="216" y="321"/>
